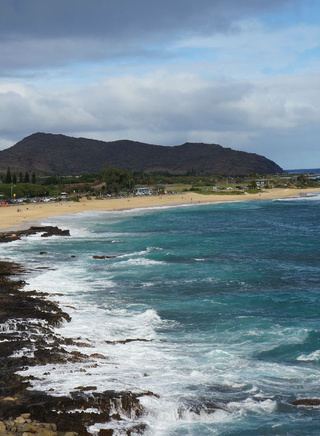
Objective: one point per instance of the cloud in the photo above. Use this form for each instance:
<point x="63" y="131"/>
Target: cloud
<point x="119" y="18"/>
<point x="239" y="73"/>
<point x="37" y="33"/>
<point x="167" y="108"/>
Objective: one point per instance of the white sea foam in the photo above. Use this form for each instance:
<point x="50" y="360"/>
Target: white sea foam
<point x="21" y="324"/>
<point x="23" y="352"/>
<point x="250" y="405"/>
<point x="220" y="354"/>
<point x="141" y="262"/>
<point x="88" y="410"/>
<point x="314" y="356"/>
<point x="307" y="197"/>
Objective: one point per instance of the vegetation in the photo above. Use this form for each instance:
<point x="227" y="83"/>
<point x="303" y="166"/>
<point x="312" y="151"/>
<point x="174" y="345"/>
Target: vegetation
<point x="115" y="181"/>
<point x="19" y="190"/>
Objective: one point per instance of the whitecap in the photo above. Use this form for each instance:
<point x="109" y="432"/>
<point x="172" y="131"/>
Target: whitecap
<point x="250" y="405"/>
<point x="141" y="262"/>
<point x="314" y="356"/>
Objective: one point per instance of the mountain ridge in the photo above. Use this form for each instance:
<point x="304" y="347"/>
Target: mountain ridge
<point x="47" y="153"/>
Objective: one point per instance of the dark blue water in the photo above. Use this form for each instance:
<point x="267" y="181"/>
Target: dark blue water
<point x="304" y="171"/>
<point x="227" y="295"/>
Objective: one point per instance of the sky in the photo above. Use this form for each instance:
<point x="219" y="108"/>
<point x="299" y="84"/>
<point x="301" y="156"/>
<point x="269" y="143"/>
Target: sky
<point x="240" y="73"/>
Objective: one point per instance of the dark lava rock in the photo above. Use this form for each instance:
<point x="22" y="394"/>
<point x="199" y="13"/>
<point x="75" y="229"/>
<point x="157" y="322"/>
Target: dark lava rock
<point x="104" y="257"/>
<point x="126" y="341"/>
<point x="46" y="408"/>
<point x="45" y="230"/>
<point x="306" y="402"/>
<point x="107" y="432"/>
<point x="135" y="430"/>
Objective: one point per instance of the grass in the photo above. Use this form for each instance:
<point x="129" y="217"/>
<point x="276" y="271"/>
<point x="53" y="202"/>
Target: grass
<point x="178" y="187"/>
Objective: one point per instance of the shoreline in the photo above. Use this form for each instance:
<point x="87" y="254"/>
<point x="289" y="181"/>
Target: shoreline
<point x="18" y="217"/>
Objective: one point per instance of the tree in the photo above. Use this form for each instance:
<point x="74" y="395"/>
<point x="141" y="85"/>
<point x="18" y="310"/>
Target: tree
<point x="253" y="185"/>
<point x="33" y="178"/>
<point x="20" y="177"/>
<point x="8" y="178"/>
<point x="302" y="180"/>
<point x="116" y="179"/>
<point x="14" y="178"/>
<point x="26" y="178"/>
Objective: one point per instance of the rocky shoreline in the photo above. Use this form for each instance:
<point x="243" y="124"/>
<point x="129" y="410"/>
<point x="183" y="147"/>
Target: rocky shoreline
<point x="27" y="338"/>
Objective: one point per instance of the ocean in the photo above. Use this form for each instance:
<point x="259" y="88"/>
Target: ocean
<point x="220" y="303"/>
<point x="304" y="171"/>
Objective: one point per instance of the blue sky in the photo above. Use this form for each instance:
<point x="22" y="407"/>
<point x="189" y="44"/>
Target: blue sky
<point x="244" y="74"/>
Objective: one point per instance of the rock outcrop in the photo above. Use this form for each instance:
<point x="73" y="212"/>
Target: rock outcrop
<point x="46" y="231"/>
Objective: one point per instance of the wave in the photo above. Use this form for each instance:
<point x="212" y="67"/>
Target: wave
<point x="310" y="197"/>
<point x="312" y="357"/>
<point x="141" y="262"/>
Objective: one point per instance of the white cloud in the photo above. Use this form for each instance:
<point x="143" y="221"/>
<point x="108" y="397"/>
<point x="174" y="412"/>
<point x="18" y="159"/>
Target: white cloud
<point x="162" y="72"/>
<point x="166" y="109"/>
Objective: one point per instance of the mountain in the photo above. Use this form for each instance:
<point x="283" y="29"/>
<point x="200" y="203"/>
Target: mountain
<point x="46" y="153"/>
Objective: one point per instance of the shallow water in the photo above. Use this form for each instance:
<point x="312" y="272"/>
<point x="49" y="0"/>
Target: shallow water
<point x="222" y="301"/>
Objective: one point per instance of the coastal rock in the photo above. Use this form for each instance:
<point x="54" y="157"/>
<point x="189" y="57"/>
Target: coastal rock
<point x="105" y="432"/>
<point x="104" y="257"/>
<point x="54" y="231"/>
<point x="126" y="341"/>
<point x="22" y="427"/>
<point x="307" y="402"/>
<point x="86" y="388"/>
<point x="136" y="430"/>
<point x="33" y="230"/>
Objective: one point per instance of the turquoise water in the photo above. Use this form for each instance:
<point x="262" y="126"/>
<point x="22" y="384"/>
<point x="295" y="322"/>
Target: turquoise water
<point x="225" y="298"/>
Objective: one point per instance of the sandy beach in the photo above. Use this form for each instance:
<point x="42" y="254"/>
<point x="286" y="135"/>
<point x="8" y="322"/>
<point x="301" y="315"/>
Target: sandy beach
<point x="21" y="216"/>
